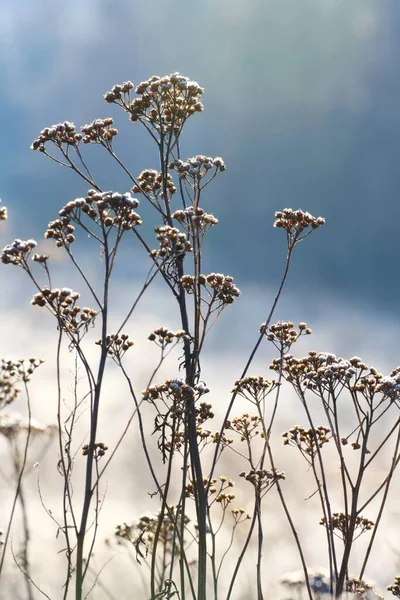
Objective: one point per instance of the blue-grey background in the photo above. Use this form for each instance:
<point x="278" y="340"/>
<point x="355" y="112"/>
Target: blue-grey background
<point x="301" y="100"/>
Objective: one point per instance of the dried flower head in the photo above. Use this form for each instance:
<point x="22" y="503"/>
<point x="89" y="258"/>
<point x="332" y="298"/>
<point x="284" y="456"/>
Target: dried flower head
<point x="198" y="168"/>
<point x="307" y="440"/>
<point x="12" y="371"/>
<point x="61" y="134"/>
<point x="254" y="389"/>
<point x="99" y="450"/>
<point x="220" y="288"/>
<point x="18" y="252"/>
<point x="3" y="213"/>
<point x="12" y="424"/>
<point x="362" y="590"/>
<point x="163" y="102"/>
<point x="117" y="344"/>
<point x="172" y="242"/>
<point x="195" y="220"/>
<point x="106" y="209"/>
<point x="163" y="336"/>
<point x="247" y="426"/>
<point x="297" y="223"/>
<point x="141" y="534"/>
<point x="99" y="131"/>
<point x="62" y="303"/>
<point x="283" y="333"/>
<point x="263" y="479"/>
<point x="341" y="523"/>
<point x="395" y="587"/>
<point x="150" y="183"/>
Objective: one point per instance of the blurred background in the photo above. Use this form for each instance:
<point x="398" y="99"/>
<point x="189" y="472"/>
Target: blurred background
<point x="301" y="101"/>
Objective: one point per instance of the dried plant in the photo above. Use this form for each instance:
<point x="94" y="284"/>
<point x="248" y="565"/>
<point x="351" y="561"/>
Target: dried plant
<point x="182" y="544"/>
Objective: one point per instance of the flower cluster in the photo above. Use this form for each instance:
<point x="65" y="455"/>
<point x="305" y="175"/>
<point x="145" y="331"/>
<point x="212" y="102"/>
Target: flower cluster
<point x="99" y="131"/>
<point x="11" y="372"/>
<point x="109" y="209"/>
<point x="175" y="390"/>
<point x="254" y="389"/>
<point x="325" y="371"/>
<point x="62" y="231"/>
<point x="263" y="479"/>
<point x="172" y="242"/>
<point x="361" y="590"/>
<point x="144" y="529"/>
<point x="18" y="252"/>
<point x="12" y="424"/>
<point x="239" y="515"/>
<point x="245" y="425"/>
<point x="99" y="450"/>
<point x="163" y="336"/>
<point x="40" y="258"/>
<point x="317" y="369"/>
<point x="297" y="221"/>
<point x="390" y="385"/>
<point x="8" y="391"/>
<point x="150" y="183"/>
<point x="341" y="523"/>
<point x="194" y="169"/>
<point x="117" y="345"/>
<point x="59" y="134"/>
<point x="307" y="440"/>
<point x="19" y="370"/>
<point x="395" y="587"/>
<point x="62" y="303"/>
<point x="164" y="102"/>
<point x="195" y="220"/>
<point x="209" y="487"/>
<point x="283" y="333"/>
<point x="204" y="412"/>
<point x="220" y="287"/>
<point x="3" y="213"/>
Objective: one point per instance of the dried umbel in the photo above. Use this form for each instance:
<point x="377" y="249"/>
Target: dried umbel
<point x="12" y="424"/>
<point x="150" y="183"/>
<point x="341" y="523"/>
<point x="283" y="333"/>
<point x="254" y="389"/>
<point x="220" y="288"/>
<point x="11" y="372"/>
<point x="198" y="168"/>
<point x="172" y="242"/>
<point x="61" y="134"/>
<point x="142" y="532"/>
<point x="19" y="370"/>
<point x="117" y="344"/>
<point x="307" y="440"/>
<point x="164" y="337"/>
<point x="174" y="390"/>
<point x="297" y="221"/>
<point x="263" y="479"/>
<point x="165" y="103"/>
<point x="99" y="450"/>
<point x="106" y="209"/>
<point x="3" y="213"/>
<point x="99" y="131"/>
<point x="18" y="252"/>
<point x="195" y="220"/>
<point x="395" y="587"/>
<point x="324" y="371"/>
<point x="62" y="303"/>
<point x="247" y="426"/>
<point x="361" y="590"/>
